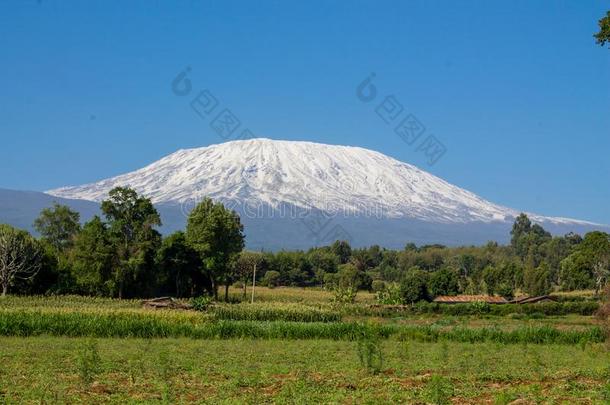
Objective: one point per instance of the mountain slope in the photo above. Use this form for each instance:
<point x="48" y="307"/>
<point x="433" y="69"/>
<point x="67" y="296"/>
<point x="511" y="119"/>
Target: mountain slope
<point x="21" y="208"/>
<point x="309" y="176"/>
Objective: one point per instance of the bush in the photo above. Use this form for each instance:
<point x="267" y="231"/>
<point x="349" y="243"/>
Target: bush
<point x="378" y="286"/>
<point x="413" y="287"/>
<point x="271" y="279"/>
<point x="391" y="295"/>
<point x="201" y="303"/>
<point x="344" y="295"/>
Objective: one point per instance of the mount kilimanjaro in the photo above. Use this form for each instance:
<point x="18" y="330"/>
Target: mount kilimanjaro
<point x="301" y="194"/>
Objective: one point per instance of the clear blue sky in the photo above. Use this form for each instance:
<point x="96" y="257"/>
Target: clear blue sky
<point x="517" y="91"/>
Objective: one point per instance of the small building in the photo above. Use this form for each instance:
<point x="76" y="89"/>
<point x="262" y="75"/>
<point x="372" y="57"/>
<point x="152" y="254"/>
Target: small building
<point x="465" y="299"/>
<point x="533" y="300"/>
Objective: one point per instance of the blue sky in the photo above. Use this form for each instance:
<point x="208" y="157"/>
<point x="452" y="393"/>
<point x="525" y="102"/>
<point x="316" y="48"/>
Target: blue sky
<point x="518" y="92"/>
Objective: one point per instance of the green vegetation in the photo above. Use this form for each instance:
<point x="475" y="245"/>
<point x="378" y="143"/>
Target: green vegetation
<point x="312" y="371"/>
<point x="297" y="345"/>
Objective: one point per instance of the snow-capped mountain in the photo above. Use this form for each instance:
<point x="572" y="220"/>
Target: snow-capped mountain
<point x="329" y="178"/>
<point x="295" y="195"/>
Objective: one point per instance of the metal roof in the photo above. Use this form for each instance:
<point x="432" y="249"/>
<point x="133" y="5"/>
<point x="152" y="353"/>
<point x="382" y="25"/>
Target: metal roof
<point x="455" y="299"/>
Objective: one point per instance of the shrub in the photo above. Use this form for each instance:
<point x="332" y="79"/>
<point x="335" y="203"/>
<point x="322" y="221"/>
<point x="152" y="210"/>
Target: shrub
<point x="271" y="279"/>
<point x="413" y="287"/>
<point x="378" y="286"/>
<point x="479" y="308"/>
<point x="391" y="295"/>
<point x="344" y="295"/>
<point x="201" y="303"/>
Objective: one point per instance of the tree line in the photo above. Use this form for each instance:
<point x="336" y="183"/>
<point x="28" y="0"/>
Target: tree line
<point x="122" y="254"/>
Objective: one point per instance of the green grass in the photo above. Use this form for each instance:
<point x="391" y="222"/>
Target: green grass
<point x="49" y="370"/>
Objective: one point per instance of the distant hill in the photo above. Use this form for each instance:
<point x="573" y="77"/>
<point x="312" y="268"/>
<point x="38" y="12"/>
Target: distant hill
<point x="21" y="208"/>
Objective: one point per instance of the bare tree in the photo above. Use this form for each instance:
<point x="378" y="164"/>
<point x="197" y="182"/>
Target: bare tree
<point x="601" y="272"/>
<point x="245" y="266"/>
<point x="20" y="256"/>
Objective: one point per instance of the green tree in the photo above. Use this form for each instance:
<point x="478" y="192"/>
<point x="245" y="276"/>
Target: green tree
<point x="322" y="261"/>
<point x="536" y="281"/>
<point x="557" y="249"/>
<point x="521" y="226"/>
<point x="443" y="282"/>
<point x="603" y="36"/>
<point x="576" y="273"/>
<point x="349" y="276"/>
<point x="58" y="226"/>
<point x="271" y="279"/>
<point x="343" y="250"/>
<point x="589" y="265"/>
<point x="179" y="267"/>
<point x="492" y="279"/>
<point x="527" y="240"/>
<point x="414" y="286"/>
<point x="131" y="220"/>
<point x="91" y="259"/>
<point x="20" y="256"/>
<point x="216" y="233"/>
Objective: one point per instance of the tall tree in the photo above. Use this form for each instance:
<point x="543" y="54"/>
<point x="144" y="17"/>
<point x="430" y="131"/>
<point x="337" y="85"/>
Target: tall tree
<point x="216" y="233"/>
<point x="343" y="250"/>
<point x="536" y="281"/>
<point x="596" y="247"/>
<point x="603" y="36"/>
<point x="527" y="239"/>
<point x="521" y="227"/>
<point x="91" y="259"/>
<point x="132" y="220"/>
<point x="180" y="269"/>
<point x="58" y="226"/>
<point x="589" y="265"/>
<point x="20" y="256"/>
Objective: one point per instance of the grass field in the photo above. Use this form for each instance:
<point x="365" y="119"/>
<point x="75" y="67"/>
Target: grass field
<point x="48" y="369"/>
<point x="287" y="348"/>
